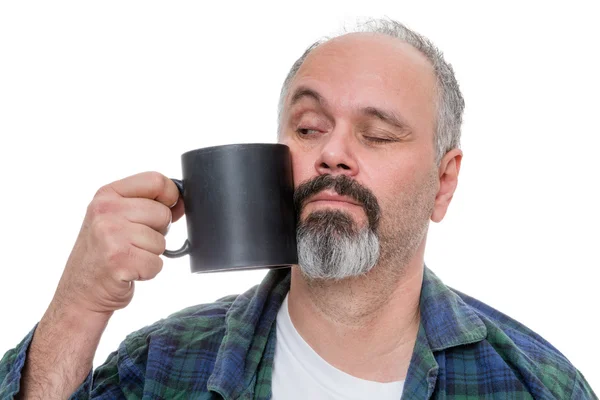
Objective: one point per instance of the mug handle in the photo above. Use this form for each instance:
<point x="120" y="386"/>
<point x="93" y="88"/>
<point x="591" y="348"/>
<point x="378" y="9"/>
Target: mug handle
<point x="185" y="249"/>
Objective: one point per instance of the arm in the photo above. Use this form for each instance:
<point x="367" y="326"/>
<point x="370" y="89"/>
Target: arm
<point x="61" y="353"/>
<point x="120" y="242"/>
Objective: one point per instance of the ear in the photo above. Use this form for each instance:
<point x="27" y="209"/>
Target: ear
<point x="448" y="175"/>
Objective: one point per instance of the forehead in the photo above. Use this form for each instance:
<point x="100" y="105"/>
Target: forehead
<point x="370" y="69"/>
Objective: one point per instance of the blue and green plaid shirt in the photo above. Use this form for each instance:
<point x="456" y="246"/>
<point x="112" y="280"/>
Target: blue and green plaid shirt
<point x="225" y="350"/>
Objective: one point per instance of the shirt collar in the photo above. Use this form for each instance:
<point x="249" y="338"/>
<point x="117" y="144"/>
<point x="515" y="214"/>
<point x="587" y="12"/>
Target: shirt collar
<point x="246" y="353"/>
<point x="447" y="320"/>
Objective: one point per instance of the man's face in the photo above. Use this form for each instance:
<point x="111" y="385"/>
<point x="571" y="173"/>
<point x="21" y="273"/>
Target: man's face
<point x="362" y="109"/>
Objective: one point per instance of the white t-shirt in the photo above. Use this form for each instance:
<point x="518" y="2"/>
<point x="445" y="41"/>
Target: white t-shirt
<point x="300" y="373"/>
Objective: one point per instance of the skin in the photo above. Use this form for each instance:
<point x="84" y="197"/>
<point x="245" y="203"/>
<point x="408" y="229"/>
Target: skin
<point x="375" y="315"/>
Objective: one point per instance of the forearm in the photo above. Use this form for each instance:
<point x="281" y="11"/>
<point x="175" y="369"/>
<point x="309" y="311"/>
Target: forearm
<point x="61" y="353"/>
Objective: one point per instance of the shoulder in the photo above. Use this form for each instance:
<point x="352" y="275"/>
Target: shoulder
<point x="202" y="328"/>
<point x="198" y="323"/>
<point x="183" y="334"/>
<point x="540" y="365"/>
<point x="521" y="335"/>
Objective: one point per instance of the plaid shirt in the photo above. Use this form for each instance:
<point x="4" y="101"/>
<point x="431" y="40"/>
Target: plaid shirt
<point x="224" y="350"/>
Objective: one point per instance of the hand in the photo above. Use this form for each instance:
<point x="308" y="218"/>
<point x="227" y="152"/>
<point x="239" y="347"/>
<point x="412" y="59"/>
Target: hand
<point x="120" y="242"/>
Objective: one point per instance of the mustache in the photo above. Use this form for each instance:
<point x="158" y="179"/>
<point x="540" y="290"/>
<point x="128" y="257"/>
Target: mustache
<point x="344" y="186"/>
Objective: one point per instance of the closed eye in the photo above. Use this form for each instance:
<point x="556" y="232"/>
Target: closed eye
<point x="379" y="139"/>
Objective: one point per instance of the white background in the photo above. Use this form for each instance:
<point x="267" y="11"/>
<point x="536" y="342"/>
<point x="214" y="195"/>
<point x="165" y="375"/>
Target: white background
<point x="91" y="92"/>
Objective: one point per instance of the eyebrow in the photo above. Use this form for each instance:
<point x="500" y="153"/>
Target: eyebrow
<point x="303" y="91"/>
<point x="388" y="117"/>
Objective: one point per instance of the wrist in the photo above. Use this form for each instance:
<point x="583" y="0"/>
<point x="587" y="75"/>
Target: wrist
<point x="74" y="319"/>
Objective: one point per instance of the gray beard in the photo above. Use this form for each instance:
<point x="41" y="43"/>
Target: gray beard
<point x="331" y="247"/>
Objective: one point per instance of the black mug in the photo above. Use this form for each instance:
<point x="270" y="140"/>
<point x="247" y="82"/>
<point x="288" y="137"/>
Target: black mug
<point x="239" y="207"/>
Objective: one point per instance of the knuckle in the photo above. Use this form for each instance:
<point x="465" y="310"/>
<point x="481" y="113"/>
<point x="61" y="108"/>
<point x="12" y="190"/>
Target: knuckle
<point x="104" y="190"/>
<point x="121" y="275"/>
<point x="118" y="255"/>
<point x="103" y="227"/>
<point x="155" y="266"/>
<point x="156" y="180"/>
<point x="151" y="268"/>
<point x="101" y="205"/>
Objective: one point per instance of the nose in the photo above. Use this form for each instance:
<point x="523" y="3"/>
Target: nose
<point x="336" y="156"/>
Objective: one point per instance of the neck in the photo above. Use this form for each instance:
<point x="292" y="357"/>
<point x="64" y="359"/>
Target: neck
<point x="365" y="326"/>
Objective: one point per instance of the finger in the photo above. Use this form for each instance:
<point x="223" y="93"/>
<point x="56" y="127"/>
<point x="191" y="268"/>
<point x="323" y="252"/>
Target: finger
<point x="177" y="210"/>
<point x="149" y="185"/>
<point x="146" y="212"/>
<point x="145" y="238"/>
<point x="142" y="265"/>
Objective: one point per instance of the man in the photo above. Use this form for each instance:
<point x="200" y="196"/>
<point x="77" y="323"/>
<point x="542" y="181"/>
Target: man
<point x="373" y="123"/>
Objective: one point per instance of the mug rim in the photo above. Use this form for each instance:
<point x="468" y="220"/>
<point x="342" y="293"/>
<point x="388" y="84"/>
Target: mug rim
<point x="232" y="146"/>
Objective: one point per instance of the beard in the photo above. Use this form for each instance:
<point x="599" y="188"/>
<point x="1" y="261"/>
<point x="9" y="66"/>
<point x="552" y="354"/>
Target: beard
<point x="330" y="243"/>
<point x="332" y="246"/>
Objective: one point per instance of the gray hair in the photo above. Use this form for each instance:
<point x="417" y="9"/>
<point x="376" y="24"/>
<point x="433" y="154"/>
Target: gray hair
<point x="329" y="248"/>
<point x="449" y="103"/>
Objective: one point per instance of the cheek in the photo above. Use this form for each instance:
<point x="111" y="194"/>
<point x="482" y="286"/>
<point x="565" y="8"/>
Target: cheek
<point x="395" y="187"/>
<point x="384" y="176"/>
<point x="302" y="165"/>
<point x="301" y="171"/>
<point x="410" y="200"/>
